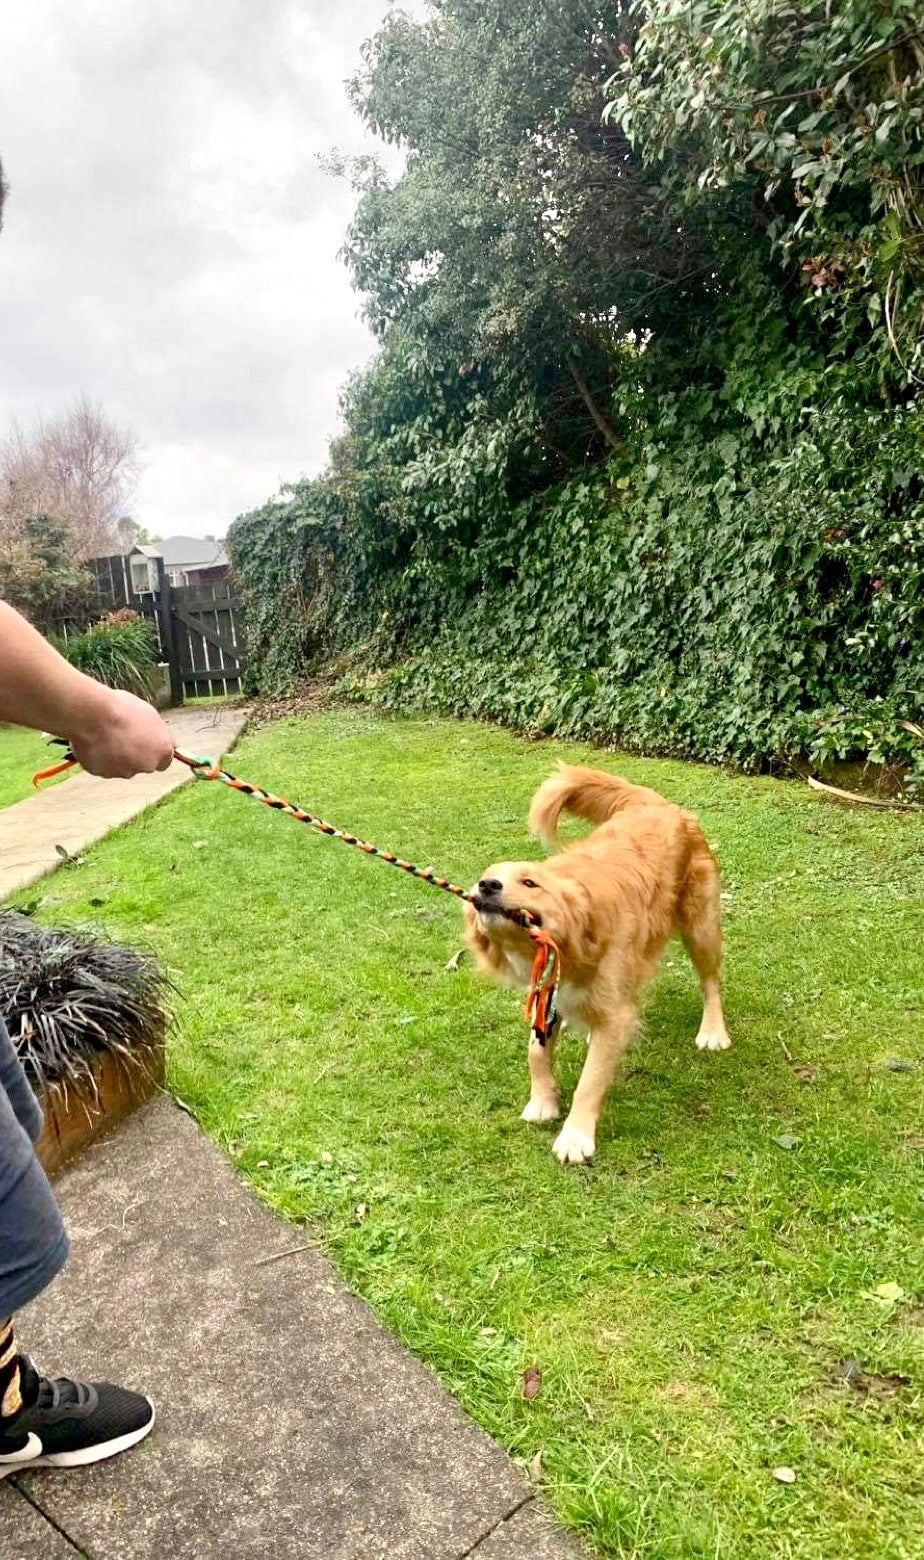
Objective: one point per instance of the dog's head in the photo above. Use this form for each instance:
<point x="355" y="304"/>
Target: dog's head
<point x="521" y="885"/>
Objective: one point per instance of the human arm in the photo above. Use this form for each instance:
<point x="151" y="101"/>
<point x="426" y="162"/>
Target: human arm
<point x="110" y="732"/>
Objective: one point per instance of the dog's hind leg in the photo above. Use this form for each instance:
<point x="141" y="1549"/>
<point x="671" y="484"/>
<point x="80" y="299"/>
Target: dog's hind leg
<point x="577" y="1138"/>
<point x="700" y="922"/>
<point x="543" y="1090"/>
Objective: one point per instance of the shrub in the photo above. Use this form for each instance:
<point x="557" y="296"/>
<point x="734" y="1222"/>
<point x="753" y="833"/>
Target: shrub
<point x="69" y="997"/>
<point x="120" y="651"/>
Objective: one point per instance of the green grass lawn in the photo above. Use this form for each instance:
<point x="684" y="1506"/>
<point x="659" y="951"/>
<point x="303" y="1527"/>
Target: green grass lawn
<point x="753" y="1221"/>
<point x="21" y="754"/>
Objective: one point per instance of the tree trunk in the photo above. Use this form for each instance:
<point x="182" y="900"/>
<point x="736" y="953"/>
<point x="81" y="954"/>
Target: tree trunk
<point x="600" y="422"/>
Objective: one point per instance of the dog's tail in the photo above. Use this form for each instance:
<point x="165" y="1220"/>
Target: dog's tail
<point x="588" y="793"/>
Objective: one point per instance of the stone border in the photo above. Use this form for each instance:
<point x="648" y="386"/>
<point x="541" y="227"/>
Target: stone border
<point x="77" y="1115"/>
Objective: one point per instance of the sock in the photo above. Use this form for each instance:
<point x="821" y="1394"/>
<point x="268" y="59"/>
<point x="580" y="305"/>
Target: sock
<point x="10" y="1395"/>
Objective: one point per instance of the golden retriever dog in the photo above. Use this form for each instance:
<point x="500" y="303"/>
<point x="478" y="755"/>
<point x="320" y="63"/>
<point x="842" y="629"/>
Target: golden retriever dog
<point x="610" y="901"/>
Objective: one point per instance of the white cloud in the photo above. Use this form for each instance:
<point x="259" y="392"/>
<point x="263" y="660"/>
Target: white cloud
<point x="170" y="241"/>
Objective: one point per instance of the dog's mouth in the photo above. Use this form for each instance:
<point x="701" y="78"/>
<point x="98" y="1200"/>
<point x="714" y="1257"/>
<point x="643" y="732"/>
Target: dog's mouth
<point x="492" y="906"/>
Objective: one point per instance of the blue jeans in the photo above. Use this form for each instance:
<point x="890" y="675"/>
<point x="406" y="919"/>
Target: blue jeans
<point x="33" y="1243"/>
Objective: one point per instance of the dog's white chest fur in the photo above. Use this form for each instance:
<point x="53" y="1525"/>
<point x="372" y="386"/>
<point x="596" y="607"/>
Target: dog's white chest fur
<point x="520" y="966"/>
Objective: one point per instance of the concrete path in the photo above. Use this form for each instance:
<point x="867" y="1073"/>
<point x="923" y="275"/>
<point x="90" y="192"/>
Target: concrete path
<point x="291" y="1425"/>
<point x="77" y="812"/>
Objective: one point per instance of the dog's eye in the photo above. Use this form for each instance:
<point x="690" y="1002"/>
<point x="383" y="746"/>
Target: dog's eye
<point x="528" y="883"/>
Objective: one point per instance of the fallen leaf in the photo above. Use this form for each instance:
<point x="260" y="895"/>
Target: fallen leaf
<point x="262" y="1164"/>
<point x="535" y="1466"/>
<point x="785" y="1475"/>
<point x="532" y="1381"/>
<point x="891" y="1292"/>
<point x="805" y="1074"/>
<point x="453" y="963"/>
<point x="898" y="1064"/>
<point x="787" y="1140"/>
<point x="360" y="1212"/>
<point x="488" y="1332"/>
<point x="730" y="1173"/>
<point x="199" y="844"/>
<point x="68" y="859"/>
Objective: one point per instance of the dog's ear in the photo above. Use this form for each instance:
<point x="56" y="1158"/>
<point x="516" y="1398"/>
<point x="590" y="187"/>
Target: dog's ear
<point x="583" y="923"/>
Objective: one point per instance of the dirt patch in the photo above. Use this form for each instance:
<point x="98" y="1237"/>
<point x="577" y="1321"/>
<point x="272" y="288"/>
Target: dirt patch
<point x="869" y="1384"/>
<point x="315" y="694"/>
<point x="694" y="1395"/>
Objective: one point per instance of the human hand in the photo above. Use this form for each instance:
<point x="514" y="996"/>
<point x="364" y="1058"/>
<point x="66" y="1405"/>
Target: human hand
<point x="121" y="736"/>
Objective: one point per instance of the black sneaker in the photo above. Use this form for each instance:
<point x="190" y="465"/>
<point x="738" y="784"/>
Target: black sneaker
<point x="67" y="1424"/>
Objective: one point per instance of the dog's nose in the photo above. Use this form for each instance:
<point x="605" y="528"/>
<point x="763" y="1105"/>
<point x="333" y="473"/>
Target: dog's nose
<point x="489" y="886"/>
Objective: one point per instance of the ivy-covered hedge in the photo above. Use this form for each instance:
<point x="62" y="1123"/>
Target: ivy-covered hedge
<point x="725" y="596"/>
<point x="699" y="606"/>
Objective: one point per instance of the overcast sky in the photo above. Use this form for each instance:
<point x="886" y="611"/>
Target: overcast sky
<point x="170" y="241"/>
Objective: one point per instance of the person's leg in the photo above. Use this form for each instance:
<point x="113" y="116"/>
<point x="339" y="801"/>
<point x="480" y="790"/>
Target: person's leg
<point x="43" y="1423"/>
<point x="33" y="1244"/>
<point x="17" y="1088"/>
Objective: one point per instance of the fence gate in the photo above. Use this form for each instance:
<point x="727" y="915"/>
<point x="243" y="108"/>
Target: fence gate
<point x="205" y="632"/>
<point x="199" y="627"/>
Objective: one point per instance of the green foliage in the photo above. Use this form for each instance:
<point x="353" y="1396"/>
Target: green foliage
<point x="623" y="466"/>
<point x="816" y="109"/>
<point x="281" y="556"/>
<point x="121" y="651"/>
<point x="38" y="575"/>
<point x="703" y="602"/>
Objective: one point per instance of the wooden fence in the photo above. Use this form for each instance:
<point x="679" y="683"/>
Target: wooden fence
<point x="199" y="627"/>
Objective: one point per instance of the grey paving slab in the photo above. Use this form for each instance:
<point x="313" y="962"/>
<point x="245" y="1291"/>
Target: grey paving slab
<point x="25" y="1534"/>
<point x="291" y="1424"/>
<point x="77" y="812"/>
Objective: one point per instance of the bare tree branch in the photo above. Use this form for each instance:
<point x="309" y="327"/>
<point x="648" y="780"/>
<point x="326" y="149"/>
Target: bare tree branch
<point x="78" y="466"/>
<point x="597" y="417"/>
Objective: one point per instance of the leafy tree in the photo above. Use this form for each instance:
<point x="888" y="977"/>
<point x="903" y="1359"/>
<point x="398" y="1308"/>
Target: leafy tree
<point x="525" y="240"/>
<point x="38" y="575"/>
<point x="816" y="111"/>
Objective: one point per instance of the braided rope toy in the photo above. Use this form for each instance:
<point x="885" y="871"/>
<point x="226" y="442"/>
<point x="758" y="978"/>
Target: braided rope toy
<point x="545" y="976"/>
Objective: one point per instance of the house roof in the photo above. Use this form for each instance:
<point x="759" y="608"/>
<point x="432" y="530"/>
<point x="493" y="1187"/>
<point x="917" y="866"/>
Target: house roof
<point x="180" y="552"/>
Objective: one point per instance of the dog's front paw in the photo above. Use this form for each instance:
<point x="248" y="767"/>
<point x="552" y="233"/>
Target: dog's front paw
<point x="542" y="1109"/>
<point x="712" y="1040"/>
<point x="572" y="1147"/>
